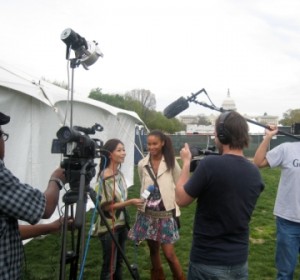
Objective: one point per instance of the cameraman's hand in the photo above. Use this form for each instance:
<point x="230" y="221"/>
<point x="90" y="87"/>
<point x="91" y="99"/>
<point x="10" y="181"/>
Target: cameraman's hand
<point x="57" y="224"/>
<point x="60" y="174"/>
<point x="185" y="154"/>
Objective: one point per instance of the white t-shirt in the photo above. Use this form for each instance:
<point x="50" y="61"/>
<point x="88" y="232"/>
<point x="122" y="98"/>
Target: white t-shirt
<point x="287" y="157"/>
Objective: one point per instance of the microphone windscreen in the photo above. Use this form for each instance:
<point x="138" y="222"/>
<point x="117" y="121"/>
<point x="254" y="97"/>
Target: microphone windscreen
<point x="176" y="108"/>
<point x="150" y="188"/>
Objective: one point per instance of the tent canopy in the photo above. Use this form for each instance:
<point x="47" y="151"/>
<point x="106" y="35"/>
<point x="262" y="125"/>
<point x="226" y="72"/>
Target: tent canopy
<point x="38" y="109"/>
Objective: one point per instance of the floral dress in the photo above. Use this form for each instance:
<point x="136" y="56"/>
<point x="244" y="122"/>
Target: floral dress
<point x="155" y="223"/>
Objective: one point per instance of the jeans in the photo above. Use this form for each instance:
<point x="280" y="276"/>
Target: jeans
<point x="198" y="271"/>
<point x="108" y="245"/>
<point x="287" y="248"/>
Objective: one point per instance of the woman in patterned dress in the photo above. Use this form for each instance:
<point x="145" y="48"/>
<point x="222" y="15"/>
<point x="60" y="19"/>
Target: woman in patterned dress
<point x="112" y="189"/>
<point x="157" y="220"/>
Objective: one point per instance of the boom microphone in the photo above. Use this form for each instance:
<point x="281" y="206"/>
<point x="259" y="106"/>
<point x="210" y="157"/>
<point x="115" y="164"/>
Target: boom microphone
<point x="176" y="108"/>
<point x="180" y="105"/>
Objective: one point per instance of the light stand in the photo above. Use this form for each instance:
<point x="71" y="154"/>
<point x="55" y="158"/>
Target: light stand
<point x="86" y="54"/>
<point x="79" y="166"/>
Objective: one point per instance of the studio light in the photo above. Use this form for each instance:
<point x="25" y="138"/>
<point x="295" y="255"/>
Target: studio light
<point x="87" y="53"/>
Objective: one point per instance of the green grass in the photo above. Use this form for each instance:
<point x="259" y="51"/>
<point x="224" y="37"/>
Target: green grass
<point x="42" y="255"/>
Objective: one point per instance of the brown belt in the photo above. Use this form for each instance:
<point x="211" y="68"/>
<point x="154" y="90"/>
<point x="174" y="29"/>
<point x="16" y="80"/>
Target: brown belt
<point x="159" y="214"/>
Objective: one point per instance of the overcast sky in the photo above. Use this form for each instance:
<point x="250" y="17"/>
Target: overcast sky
<point x="172" y="48"/>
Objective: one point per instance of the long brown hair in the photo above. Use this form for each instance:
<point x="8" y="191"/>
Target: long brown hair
<point x="106" y="150"/>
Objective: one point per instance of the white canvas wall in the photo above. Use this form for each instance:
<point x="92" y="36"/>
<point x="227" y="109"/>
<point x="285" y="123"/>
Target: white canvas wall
<point x="37" y="111"/>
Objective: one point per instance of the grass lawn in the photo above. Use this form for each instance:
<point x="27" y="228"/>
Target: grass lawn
<point x="42" y="255"/>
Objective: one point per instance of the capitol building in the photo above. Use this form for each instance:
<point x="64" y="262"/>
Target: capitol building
<point x="195" y="124"/>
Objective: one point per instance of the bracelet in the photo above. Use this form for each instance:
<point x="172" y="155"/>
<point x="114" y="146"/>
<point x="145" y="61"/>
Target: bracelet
<point x="59" y="182"/>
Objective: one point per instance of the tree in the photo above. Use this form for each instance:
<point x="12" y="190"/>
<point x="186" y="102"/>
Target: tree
<point x="116" y="100"/>
<point x="290" y="117"/>
<point x="157" y="120"/>
<point x="146" y="99"/>
<point x="151" y="118"/>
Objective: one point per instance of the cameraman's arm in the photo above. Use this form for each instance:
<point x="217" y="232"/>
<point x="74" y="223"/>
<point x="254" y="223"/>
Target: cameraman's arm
<point x="182" y="198"/>
<point x="52" y="192"/>
<point x="31" y="231"/>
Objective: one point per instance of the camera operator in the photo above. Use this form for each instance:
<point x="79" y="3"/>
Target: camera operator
<point x="226" y="187"/>
<point x="20" y="201"/>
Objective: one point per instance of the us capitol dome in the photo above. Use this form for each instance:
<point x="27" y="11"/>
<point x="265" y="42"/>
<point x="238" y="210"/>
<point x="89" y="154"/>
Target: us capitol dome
<point x="228" y="103"/>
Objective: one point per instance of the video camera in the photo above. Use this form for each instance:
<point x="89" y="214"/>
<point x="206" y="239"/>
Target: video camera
<point x="79" y="151"/>
<point x="76" y="143"/>
<point x="197" y="155"/>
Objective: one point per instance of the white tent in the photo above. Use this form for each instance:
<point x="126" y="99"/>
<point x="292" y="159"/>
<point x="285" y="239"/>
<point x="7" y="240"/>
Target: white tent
<point x="38" y="109"/>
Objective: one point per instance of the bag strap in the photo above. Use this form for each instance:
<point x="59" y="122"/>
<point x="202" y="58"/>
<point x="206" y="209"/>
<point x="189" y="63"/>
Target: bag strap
<point x="151" y="175"/>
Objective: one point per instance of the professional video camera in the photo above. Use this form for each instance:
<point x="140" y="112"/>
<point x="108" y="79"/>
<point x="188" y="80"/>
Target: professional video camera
<point x="75" y="142"/>
<point x="77" y="148"/>
<point x="197" y="155"/>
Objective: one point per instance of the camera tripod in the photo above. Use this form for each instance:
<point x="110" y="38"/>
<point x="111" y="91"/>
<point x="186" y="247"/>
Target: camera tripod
<point x="79" y="197"/>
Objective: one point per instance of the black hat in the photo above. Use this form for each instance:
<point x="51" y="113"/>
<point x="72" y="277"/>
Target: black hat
<point x="4" y="119"/>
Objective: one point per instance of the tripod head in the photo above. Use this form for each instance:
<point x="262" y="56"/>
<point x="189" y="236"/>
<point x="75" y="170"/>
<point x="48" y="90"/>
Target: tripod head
<point x="73" y="170"/>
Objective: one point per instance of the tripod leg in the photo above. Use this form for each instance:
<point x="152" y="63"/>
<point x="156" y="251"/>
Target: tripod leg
<point x="64" y="245"/>
<point x="74" y="262"/>
<point x="79" y="251"/>
<point x="132" y="269"/>
<point x="71" y="256"/>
